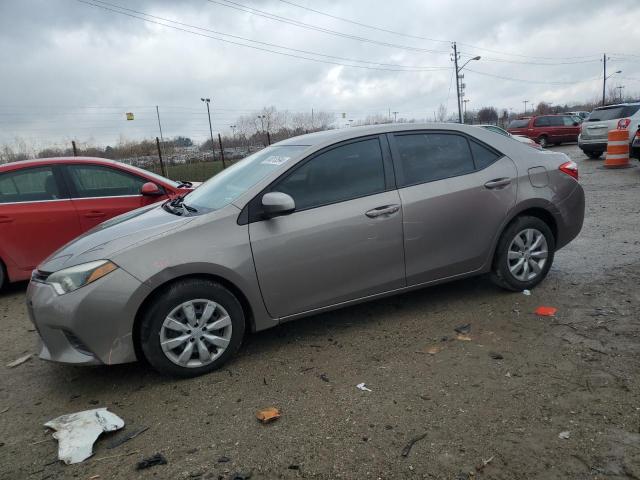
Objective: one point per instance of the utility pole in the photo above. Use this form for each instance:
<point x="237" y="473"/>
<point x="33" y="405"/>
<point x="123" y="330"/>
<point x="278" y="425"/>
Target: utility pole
<point x="221" y="150"/>
<point x="395" y="116"/>
<point x="455" y="62"/>
<point x="620" y="88"/>
<point x="312" y="124"/>
<point x="525" y="106"/>
<point x="162" y="169"/>
<point x="456" y="57"/>
<point x="604" y="78"/>
<point x="213" y="151"/>
<point x="75" y="149"/>
<point x="465" y="101"/>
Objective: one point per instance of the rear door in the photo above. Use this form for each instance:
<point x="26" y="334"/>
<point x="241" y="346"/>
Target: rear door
<point x="455" y="194"/>
<point x="100" y="192"/>
<point x="36" y="216"/>
<point x="343" y="241"/>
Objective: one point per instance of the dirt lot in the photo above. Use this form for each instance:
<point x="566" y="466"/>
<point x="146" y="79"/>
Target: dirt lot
<point x="576" y="373"/>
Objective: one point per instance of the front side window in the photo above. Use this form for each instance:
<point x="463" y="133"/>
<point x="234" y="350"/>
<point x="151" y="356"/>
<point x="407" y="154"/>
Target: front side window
<point x="569" y="121"/>
<point x="556" y="121"/>
<point x="29" y="185"/>
<point x="92" y="181"/>
<point x="342" y="173"/>
<point x="427" y="157"/>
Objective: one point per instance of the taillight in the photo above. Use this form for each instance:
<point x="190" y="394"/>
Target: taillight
<point x="623" y="123"/>
<point x="570" y="168"/>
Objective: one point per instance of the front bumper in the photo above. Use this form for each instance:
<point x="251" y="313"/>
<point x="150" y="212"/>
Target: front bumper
<point x="90" y="326"/>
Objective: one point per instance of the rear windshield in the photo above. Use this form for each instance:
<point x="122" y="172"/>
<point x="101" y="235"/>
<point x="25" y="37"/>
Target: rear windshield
<point x="612" y="113"/>
<point x="519" y="123"/>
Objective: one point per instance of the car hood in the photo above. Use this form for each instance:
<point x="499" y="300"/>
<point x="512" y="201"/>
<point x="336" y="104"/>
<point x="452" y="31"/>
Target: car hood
<point x="114" y="236"/>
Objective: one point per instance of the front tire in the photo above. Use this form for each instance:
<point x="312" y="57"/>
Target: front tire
<point x="192" y="328"/>
<point x="594" y="155"/>
<point x="524" y="255"/>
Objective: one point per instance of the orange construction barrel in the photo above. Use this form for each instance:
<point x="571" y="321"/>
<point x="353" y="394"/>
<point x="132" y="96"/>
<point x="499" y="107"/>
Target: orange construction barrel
<point x="617" y="149"/>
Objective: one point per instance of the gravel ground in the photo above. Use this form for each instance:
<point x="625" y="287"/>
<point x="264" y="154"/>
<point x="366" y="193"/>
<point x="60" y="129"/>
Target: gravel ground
<point x="575" y="373"/>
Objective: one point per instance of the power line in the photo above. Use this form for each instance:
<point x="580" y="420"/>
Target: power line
<point x="279" y="18"/>
<point x="530" y="81"/>
<point x="418" y="37"/>
<point x="155" y="19"/>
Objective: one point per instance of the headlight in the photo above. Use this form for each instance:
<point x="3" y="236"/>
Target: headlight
<point x="70" y="279"/>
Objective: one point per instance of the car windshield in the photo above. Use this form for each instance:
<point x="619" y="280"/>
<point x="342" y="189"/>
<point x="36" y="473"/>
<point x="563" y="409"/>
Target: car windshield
<point x="612" y="113"/>
<point x="229" y="184"/>
<point x="519" y="123"/>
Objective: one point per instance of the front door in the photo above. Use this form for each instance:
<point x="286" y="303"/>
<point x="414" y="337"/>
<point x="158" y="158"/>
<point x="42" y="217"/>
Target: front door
<point x="343" y="241"/>
<point x="455" y="193"/>
<point x="100" y="193"/>
<point x="36" y="217"/>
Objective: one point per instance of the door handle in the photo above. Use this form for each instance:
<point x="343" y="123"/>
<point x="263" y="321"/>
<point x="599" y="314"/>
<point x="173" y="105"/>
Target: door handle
<point x="386" y="210"/>
<point x="497" y="183"/>
<point x="6" y="219"/>
<point x="95" y="214"/>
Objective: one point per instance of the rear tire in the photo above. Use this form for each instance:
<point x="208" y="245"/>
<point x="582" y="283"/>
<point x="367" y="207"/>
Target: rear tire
<point x="534" y="255"/>
<point x="192" y="328"/>
<point x="594" y="155"/>
<point x="543" y="141"/>
<point x="4" y="279"/>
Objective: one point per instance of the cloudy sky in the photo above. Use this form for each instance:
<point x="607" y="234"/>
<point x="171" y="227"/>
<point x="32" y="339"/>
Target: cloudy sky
<point x="72" y="69"/>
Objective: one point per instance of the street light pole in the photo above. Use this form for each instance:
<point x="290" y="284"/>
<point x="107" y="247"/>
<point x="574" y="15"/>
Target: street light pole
<point x="395" y="116"/>
<point x="465" y="101"/>
<point x="525" y="106"/>
<point x="458" y="70"/>
<point x="207" y="101"/>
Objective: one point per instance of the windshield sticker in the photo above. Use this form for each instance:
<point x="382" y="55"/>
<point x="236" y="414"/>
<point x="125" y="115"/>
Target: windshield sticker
<point x="275" y="160"/>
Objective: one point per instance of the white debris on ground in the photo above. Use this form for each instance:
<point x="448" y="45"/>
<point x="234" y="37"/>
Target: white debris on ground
<point x="363" y="387"/>
<point x="77" y="432"/>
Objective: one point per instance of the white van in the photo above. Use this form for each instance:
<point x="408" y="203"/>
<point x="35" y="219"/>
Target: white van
<point x="593" y="137"/>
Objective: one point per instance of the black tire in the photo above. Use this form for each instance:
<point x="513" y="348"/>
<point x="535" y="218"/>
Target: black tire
<point x="543" y="141"/>
<point x="500" y="273"/>
<point x="594" y="155"/>
<point x="3" y="276"/>
<point x="173" y="296"/>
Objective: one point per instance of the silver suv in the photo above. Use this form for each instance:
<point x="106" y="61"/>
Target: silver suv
<point x="593" y="137"/>
<point x="309" y="224"/>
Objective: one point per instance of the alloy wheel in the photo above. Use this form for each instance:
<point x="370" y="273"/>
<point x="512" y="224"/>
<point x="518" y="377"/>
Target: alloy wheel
<point x="527" y="254"/>
<point x="195" y="333"/>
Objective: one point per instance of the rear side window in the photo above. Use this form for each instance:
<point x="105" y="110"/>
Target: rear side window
<point x="523" y="123"/>
<point x="29" y="185"/>
<point x="342" y="173"/>
<point x="482" y="155"/>
<point x="92" y="181"/>
<point x="428" y="157"/>
<point x="541" y="122"/>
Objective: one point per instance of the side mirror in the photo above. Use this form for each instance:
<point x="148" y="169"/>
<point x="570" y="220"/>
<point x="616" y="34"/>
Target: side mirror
<point x="277" y="203"/>
<point x="150" y="189"/>
<point x="575" y="124"/>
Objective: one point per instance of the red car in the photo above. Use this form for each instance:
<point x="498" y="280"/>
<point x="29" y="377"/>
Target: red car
<point x="45" y="203"/>
<point x="546" y="129"/>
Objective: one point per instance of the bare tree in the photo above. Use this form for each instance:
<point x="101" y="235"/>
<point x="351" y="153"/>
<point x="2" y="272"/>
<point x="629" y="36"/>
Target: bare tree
<point x="442" y="113"/>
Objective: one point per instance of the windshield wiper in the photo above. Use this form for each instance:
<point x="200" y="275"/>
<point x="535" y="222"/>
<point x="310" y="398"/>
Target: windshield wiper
<point x="179" y="202"/>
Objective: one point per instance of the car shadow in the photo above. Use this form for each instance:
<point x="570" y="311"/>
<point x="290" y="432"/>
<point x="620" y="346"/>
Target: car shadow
<point x="355" y="321"/>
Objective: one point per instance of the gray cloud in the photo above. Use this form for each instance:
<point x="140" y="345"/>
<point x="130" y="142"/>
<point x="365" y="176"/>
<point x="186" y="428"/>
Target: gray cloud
<point x="60" y="56"/>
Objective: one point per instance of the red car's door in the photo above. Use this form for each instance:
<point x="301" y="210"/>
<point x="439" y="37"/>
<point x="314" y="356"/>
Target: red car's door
<point x="100" y="192"/>
<point x="36" y="218"/>
<point x="571" y="130"/>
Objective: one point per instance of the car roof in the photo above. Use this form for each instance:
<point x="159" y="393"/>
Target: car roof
<point x="327" y="137"/>
<point x="55" y="160"/>
<point x="605" y="107"/>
